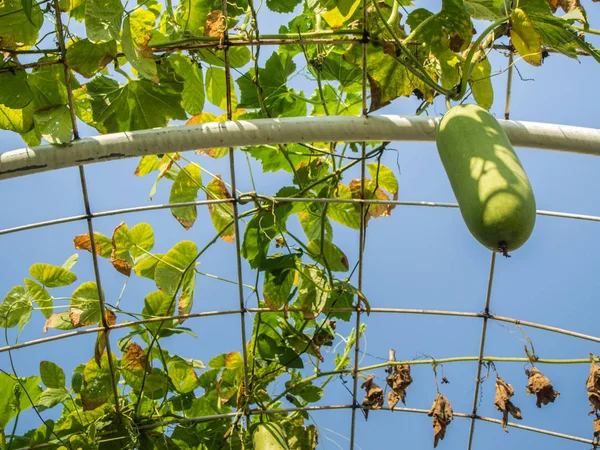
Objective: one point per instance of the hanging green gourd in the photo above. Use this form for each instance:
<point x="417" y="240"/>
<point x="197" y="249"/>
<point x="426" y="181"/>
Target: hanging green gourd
<point x="269" y="436"/>
<point x="492" y="189"/>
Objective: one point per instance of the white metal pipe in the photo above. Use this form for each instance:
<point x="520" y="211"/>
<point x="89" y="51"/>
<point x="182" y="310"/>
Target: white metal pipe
<point x="277" y="131"/>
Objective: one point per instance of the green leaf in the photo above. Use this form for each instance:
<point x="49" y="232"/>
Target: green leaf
<point x="238" y="56"/>
<point x="347" y="214"/>
<point x="274" y="158"/>
<point x="15" y="92"/>
<point x="52" y="375"/>
<point x="141" y="237"/>
<point x="124" y="108"/>
<point x="384" y="176"/>
<point x="52" y="276"/>
<point x="17" y="120"/>
<point x="48" y="86"/>
<point x="331" y="256"/>
<point x="158" y="304"/>
<point x="481" y="84"/>
<point x="216" y="88"/>
<point x="169" y="270"/>
<point x="191" y="15"/>
<point x="221" y="214"/>
<point x="278" y="280"/>
<point x="185" y="189"/>
<point x="146" y="267"/>
<point x="32" y="138"/>
<point x="283" y="6"/>
<point x="13" y="398"/>
<point x="17" y="30"/>
<point x="70" y="5"/>
<point x="333" y="104"/>
<point x="484" y="9"/>
<point x="16" y="308"/>
<point x="97" y="383"/>
<point x="342" y="297"/>
<point x="54" y="124"/>
<point x="311" y="291"/>
<point x="103" y="20"/>
<point x="525" y="38"/>
<point x="52" y="397"/>
<point x="27" y="6"/>
<point x="41" y="296"/>
<point x="312" y="222"/>
<point x="260" y="230"/>
<point x="85" y="305"/>
<point x="182" y="375"/>
<point x="87" y="58"/>
<point x="192" y="96"/>
<point x="137" y="32"/>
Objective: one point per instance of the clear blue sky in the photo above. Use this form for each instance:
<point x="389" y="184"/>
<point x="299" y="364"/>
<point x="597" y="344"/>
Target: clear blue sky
<point x="419" y="258"/>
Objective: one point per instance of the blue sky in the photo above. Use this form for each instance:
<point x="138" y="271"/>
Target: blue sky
<point x="420" y="257"/>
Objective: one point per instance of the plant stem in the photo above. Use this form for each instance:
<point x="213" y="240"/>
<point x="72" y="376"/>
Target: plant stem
<point x="586" y="30"/>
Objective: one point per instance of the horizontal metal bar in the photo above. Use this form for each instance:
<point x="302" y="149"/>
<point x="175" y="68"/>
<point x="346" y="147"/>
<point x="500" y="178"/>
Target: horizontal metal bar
<point x="136" y="209"/>
<point x="238" y="133"/>
<point x="266" y="310"/>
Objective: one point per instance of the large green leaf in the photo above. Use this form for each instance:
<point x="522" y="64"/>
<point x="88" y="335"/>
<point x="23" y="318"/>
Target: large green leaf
<point x="141" y="237"/>
<point x="146" y="267"/>
<point x="283" y="6"/>
<point x="384" y="176"/>
<point x="103" y="19"/>
<point x="278" y="281"/>
<point x="126" y="107"/>
<point x="16" y="308"/>
<point x="216" y="88"/>
<point x="221" y="214"/>
<point x="41" y="296"/>
<point x="16" y="29"/>
<point x="170" y="270"/>
<point x="182" y="375"/>
<point x="52" y="397"/>
<point x="48" y="86"/>
<point x="15" y="92"/>
<point x="137" y="32"/>
<point x="525" y="38"/>
<point x="192" y="96"/>
<point x="278" y="157"/>
<point x="238" y="56"/>
<point x="485" y="9"/>
<point x="97" y="383"/>
<point x="87" y="58"/>
<point x="52" y="276"/>
<point x="13" y="398"/>
<point x="347" y="214"/>
<point x="328" y="254"/>
<point x="17" y="120"/>
<point x="158" y="304"/>
<point x="312" y="294"/>
<point x="52" y="375"/>
<point x="185" y="189"/>
<point x="85" y="305"/>
<point x="54" y="124"/>
<point x="313" y="223"/>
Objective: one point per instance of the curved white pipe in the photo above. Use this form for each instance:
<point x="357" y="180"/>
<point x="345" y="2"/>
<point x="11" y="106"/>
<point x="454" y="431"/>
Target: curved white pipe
<point x="277" y="131"/>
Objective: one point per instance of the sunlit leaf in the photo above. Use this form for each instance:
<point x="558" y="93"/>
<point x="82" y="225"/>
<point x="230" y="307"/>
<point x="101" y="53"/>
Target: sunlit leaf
<point x="192" y="96"/>
<point x="13" y="398"/>
<point x="17" y="120"/>
<point x="185" y="189"/>
<point x="52" y="397"/>
<point x="481" y="84"/>
<point x="97" y="383"/>
<point x="170" y="270"/>
<point x="54" y="124"/>
<point x="16" y="29"/>
<point x="103" y="20"/>
<point x="484" y="9"/>
<point x="347" y="214"/>
<point x="16" y="308"/>
<point x="60" y="321"/>
<point x="52" y="375"/>
<point x="341" y="13"/>
<point x="41" y="296"/>
<point x="312" y="293"/>
<point x="15" y="92"/>
<point x="283" y="6"/>
<point x="146" y="267"/>
<point x="384" y="176"/>
<point x="328" y="254"/>
<point x="85" y="305"/>
<point x="182" y="375"/>
<point x="221" y="214"/>
<point x="216" y="88"/>
<point x="87" y="58"/>
<point x="137" y="32"/>
<point x="52" y="276"/>
<point x="525" y="38"/>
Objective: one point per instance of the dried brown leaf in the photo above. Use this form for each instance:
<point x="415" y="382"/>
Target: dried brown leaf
<point x="596" y="432"/>
<point x="398" y="379"/>
<point x="442" y="415"/>
<point x="372" y="192"/>
<point x="83" y="242"/>
<point x="120" y="264"/>
<point x="134" y="357"/>
<point x="593" y="385"/>
<point x="373" y="394"/>
<point x="215" y="24"/>
<point x="504" y="392"/>
<point x="566" y="5"/>
<point x="540" y="386"/>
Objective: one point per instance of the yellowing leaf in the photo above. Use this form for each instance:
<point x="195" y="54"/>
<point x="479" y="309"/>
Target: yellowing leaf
<point x="221" y="214"/>
<point x="185" y="189"/>
<point x="102" y="243"/>
<point x="339" y="15"/>
<point x="216" y="88"/>
<point x="481" y="84"/>
<point x="137" y="32"/>
<point x="525" y="38"/>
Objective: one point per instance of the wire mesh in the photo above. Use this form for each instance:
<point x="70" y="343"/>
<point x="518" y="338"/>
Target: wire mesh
<point x="485" y="316"/>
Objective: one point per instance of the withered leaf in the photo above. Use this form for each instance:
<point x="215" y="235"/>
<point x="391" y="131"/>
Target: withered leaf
<point x="134" y="357"/>
<point x="596" y="432"/>
<point x="215" y="24"/>
<point x="593" y="385"/>
<point x="111" y="319"/>
<point x="442" y="415"/>
<point x="102" y="244"/>
<point x="118" y="263"/>
<point x="373" y="192"/>
<point x="373" y="394"/>
<point x="566" y="5"/>
<point x="540" y="386"/>
<point x="398" y="379"/>
<point x="504" y="392"/>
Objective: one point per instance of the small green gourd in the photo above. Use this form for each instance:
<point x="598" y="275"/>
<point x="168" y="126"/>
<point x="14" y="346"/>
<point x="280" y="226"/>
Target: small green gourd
<point x="269" y="436"/>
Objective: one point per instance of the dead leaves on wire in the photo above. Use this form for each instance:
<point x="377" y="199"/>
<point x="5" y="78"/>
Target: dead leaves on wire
<point x="502" y="402"/>
<point x="441" y="415"/>
<point x="541" y="386"/>
<point x="398" y="380"/>
<point x="373" y="395"/>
